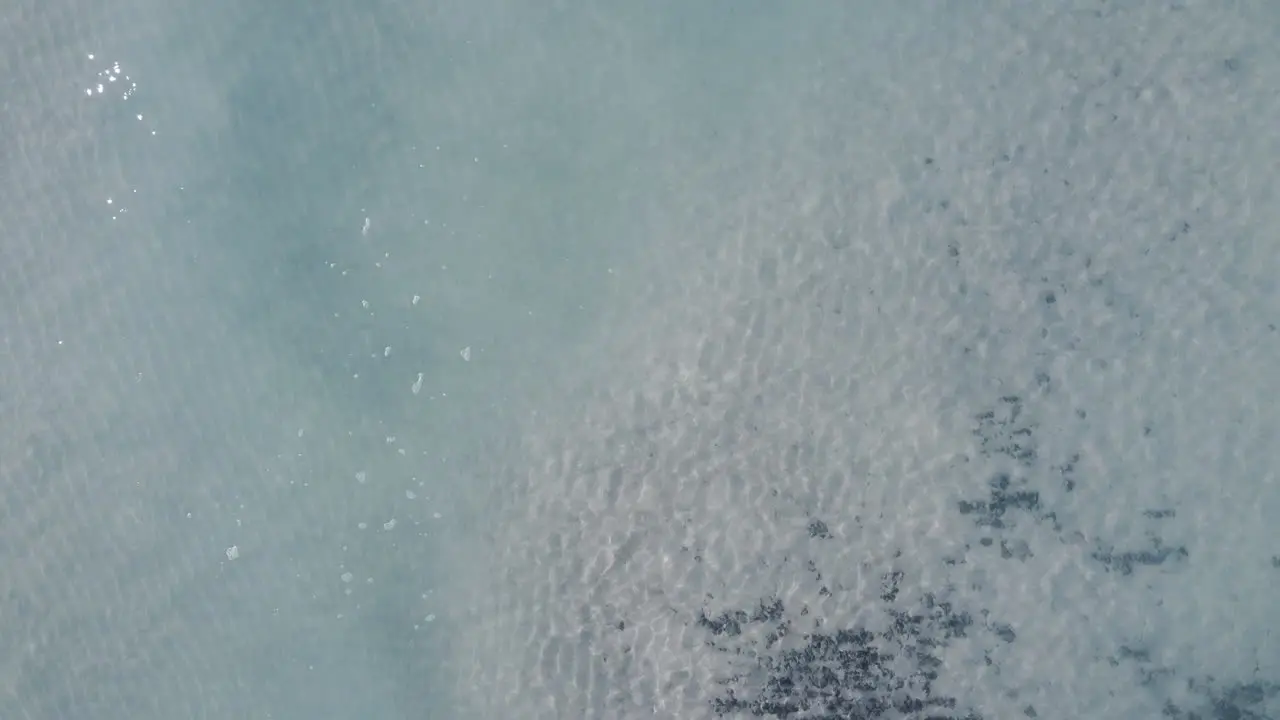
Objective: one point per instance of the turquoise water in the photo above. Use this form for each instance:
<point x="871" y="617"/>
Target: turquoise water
<point x="490" y="359"/>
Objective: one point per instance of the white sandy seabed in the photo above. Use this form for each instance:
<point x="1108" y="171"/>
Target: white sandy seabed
<point x="950" y="402"/>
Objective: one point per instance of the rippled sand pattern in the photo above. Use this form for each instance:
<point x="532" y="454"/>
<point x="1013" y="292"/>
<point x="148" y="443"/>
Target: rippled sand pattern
<point x="928" y="414"/>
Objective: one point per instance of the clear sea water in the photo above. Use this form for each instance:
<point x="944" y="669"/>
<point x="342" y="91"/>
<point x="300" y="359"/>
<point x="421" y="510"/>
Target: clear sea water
<point x="605" y="360"/>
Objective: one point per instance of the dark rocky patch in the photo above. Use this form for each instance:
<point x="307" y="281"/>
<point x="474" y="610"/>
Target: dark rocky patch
<point x="1004" y="496"/>
<point x="1254" y="700"/>
<point x="730" y="623"/>
<point x="1124" y="562"/>
<point x="1068" y="470"/>
<point x="891" y="670"/>
<point x="1015" y="549"/>
<point x="843" y="673"/>
<point x="1003" y="431"/>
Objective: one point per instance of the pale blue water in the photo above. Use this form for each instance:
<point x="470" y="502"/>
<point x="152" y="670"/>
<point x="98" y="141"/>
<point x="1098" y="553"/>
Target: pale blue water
<point x="571" y="360"/>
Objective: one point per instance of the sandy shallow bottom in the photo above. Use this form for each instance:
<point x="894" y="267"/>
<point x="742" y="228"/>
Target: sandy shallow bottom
<point x="960" y="430"/>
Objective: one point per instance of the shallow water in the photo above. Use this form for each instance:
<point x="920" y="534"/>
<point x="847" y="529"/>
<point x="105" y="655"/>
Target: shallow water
<point x="482" y="360"/>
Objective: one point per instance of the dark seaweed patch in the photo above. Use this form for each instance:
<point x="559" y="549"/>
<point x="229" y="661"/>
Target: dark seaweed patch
<point x="1004" y="431"/>
<point x="846" y="672"/>
<point x="1003" y="496"/>
<point x="818" y="529"/>
<point x="1124" y="562"/>
<point x="1213" y="699"/>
